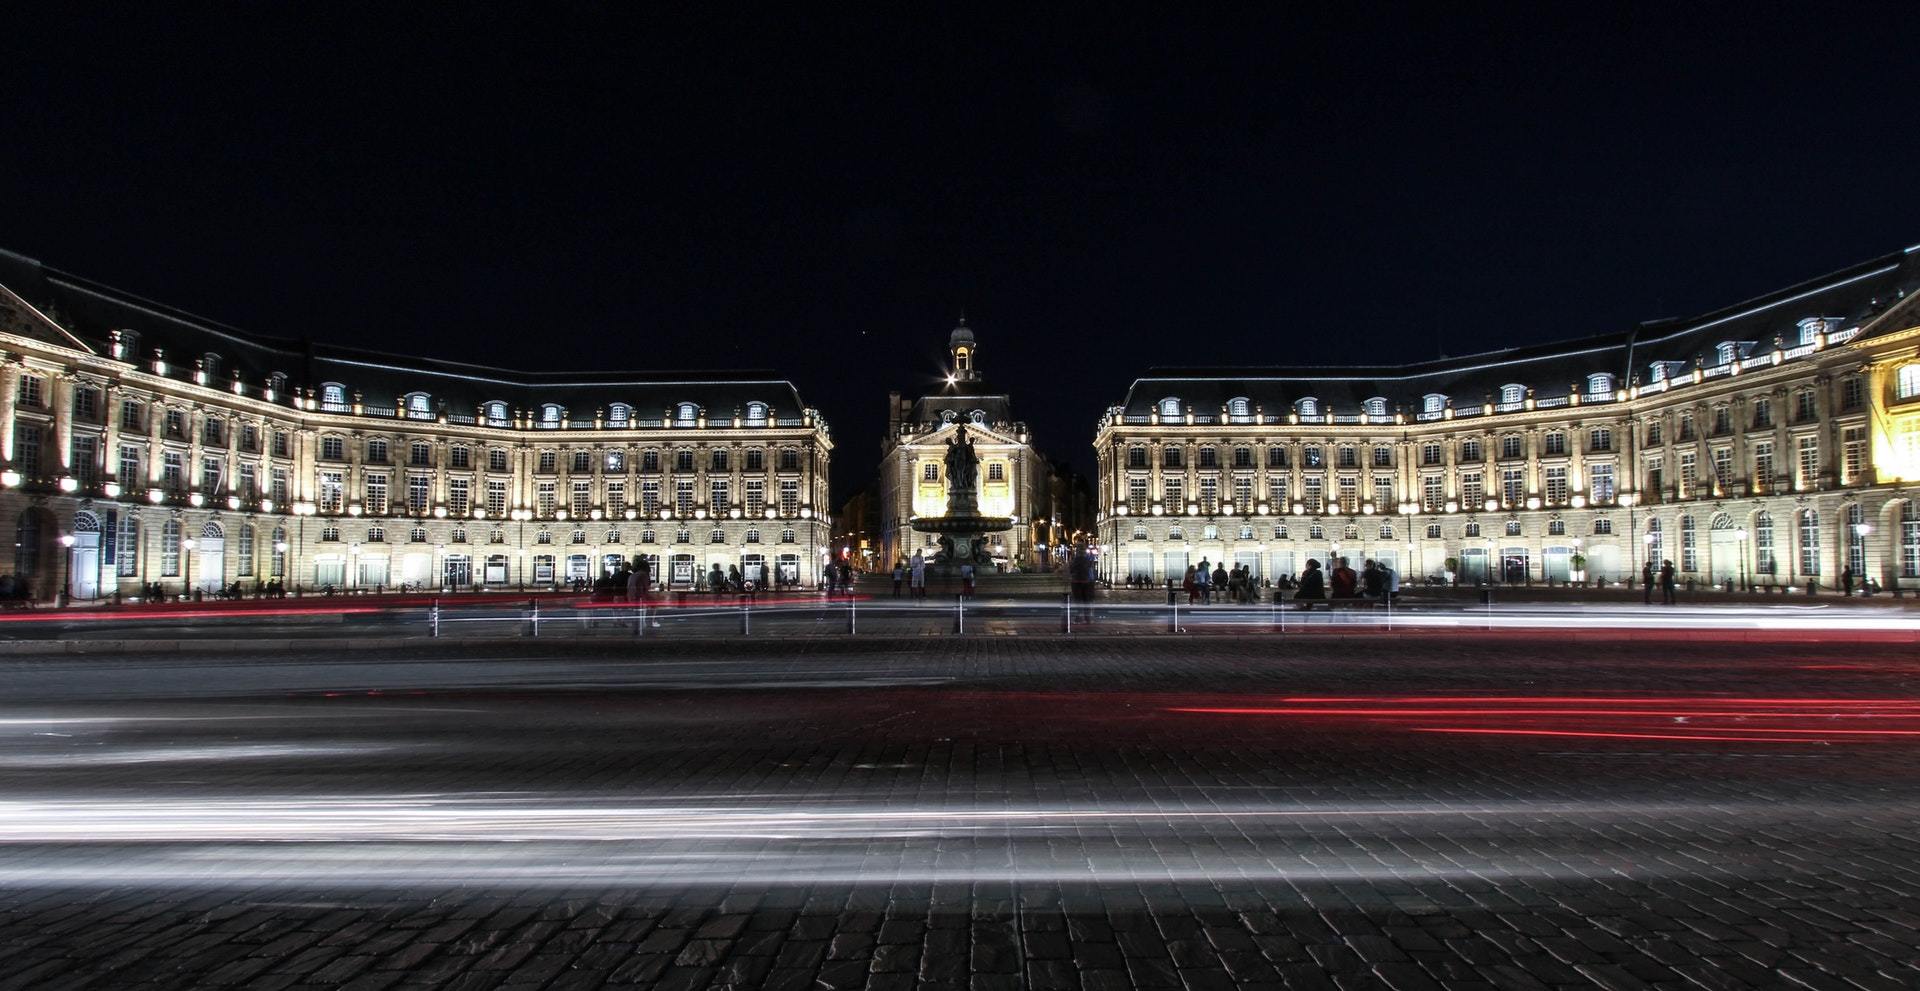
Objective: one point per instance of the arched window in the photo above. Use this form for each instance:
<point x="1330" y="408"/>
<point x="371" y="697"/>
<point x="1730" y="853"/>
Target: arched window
<point x="1210" y="532"/>
<point x="1471" y="530"/>
<point x="1599" y="384"/>
<point x="1139" y="531"/>
<point x="458" y="536"/>
<point x="1239" y="408"/>
<point x="1602" y="526"/>
<point x="1433" y="402"/>
<point x="1512" y="393"/>
<point x="1316" y="532"/>
<point x="1169" y="407"/>
<point x="1280" y="531"/>
<point x="330" y="534"/>
<point x="419" y="406"/>
<point x="613" y="535"/>
<point x="1513" y="528"/>
<point x="978" y="417"/>
<point x="753" y="535"/>
<point x="85" y="522"/>
<point x="1763" y="559"/>
<point x="212" y="531"/>
<point x="787" y="537"/>
<point x="376" y="535"/>
<point x="1386" y="531"/>
<point x="1556" y="528"/>
<point x="1246" y="531"/>
<point x="1351" y="532"/>
<point x="1809" y="542"/>
<point x="686" y="415"/>
<point x="543" y="537"/>
<point x="683" y="536"/>
<point x="417" y="535"/>
<point x="579" y="536"/>
<point x="496" y="414"/>
<point x="1910" y="539"/>
<point x="756" y="414"/>
<point x="333" y="397"/>
<point x="1433" y="531"/>
<point x="552" y="415"/>
<point x="619" y="415"/>
<point x="1377" y="406"/>
<point x="1175" y="533"/>
<point x="1724" y="352"/>
<point x="1307" y="407"/>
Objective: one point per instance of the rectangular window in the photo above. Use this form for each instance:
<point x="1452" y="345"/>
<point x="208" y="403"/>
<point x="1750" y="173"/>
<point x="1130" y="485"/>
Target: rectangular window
<point x="1314" y="489"/>
<point x="1243" y="494"/>
<point x="1599" y="440"/>
<point x="1656" y="474"/>
<point x="1601" y="482"/>
<point x="930" y="472"/>
<point x="282" y="444"/>
<point x="280" y="486"/>
<point x="1511" y="447"/>
<point x="1348" y="457"/>
<point x="581" y="502"/>
<point x="1383" y="457"/>
<point x="1209" y="496"/>
<point x="173" y="471"/>
<point x="996" y="472"/>
<point x="126" y="548"/>
<point x="546" y="500"/>
<point x="1242" y="457"/>
<point x="26" y="449"/>
<point x="1689" y="466"/>
<point x="1277" y="494"/>
<point x="1853" y="393"/>
<point x="1556" y="443"/>
<point x="1276" y="457"/>
<point x="549" y="462"/>
<point x="649" y="460"/>
<point x="719" y="460"/>
<point x="333" y="449"/>
<point x="1470" y="451"/>
<point x="1432" y="454"/>
<point x="33" y="391"/>
<point x="1806" y="406"/>
<point x="1910" y="539"/>
<point x="332" y="490"/>
<point x="683" y="498"/>
<point x="419" y="493"/>
<point x="130" y="419"/>
<point x="1349" y="494"/>
<point x="1686" y="426"/>
<point x="616" y="497"/>
<point x="1137" y="495"/>
<point x="210" y="433"/>
<point x="176" y="425"/>
<point x="130" y="474"/>
<point x="1723" y="468"/>
<point x="376" y="495"/>
<point x="170" y="550"/>
<point x="683" y="461"/>
<point x="85" y="459"/>
<point x="1383" y="495"/>
<point x="86" y="404"/>
<point x="1433" y="493"/>
<point x="1762" y="413"/>
<point x="582" y="462"/>
<point x="650" y="498"/>
<point x="376" y="452"/>
<point x="243" y="552"/>
<point x="497" y="460"/>
<point x="248" y="484"/>
<point x="789" y="498"/>
<point x="756" y="496"/>
<point x="1689" y="549"/>
<point x="250" y="439"/>
<point x="420" y="455"/>
<point x="1513" y="486"/>
<point x="496" y="498"/>
<point x="1473" y="495"/>
<point x="459" y="497"/>
<point x="1853" y="455"/>
<point x="1808" y="461"/>
<point x="1763" y="465"/>
<point x="211" y="472"/>
<point x="1809" y="543"/>
<point x="1556" y="483"/>
<point x="460" y="458"/>
<point x="1174" y="494"/>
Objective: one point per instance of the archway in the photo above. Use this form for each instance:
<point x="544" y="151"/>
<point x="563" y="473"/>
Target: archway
<point x="83" y="558"/>
<point x="210" y="567"/>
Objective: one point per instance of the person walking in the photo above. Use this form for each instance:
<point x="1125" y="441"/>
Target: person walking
<point x="918" y="571"/>
<point x="1667" y="597"/>
<point x="899" y="575"/>
<point x="1646" y="580"/>
<point x="1312" y="585"/>
<point x="966" y="579"/>
<point x="1846" y="582"/>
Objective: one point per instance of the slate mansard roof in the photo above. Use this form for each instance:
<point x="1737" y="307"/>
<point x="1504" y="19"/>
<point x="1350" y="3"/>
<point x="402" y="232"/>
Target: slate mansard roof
<point x="92" y="313"/>
<point x="1836" y="305"/>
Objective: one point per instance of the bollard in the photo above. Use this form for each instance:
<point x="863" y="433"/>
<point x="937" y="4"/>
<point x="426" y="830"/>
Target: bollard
<point x="851" y="627"/>
<point x="1066" y="613"/>
<point x="1173" y="615"/>
<point x="640" y="618"/>
<point x="535" y="603"/>
<point x="746" y="624"/>
<point x="959" y="614"/>
<point x="435" y="614"/>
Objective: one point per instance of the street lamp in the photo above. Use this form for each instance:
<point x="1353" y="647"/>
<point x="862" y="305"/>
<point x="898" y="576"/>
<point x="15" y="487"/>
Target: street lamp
<point x="186" y="566"/>
<point x="66" y="579"/>
<point x="1741" y="536"/>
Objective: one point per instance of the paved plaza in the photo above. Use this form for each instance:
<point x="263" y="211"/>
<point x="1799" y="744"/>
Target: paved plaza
<point x="1444" y="810"/>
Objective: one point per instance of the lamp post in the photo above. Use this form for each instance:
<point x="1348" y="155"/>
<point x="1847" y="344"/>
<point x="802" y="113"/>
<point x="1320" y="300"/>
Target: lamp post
<point x="186" y="567"/>
<point x="66" y="574"/>
<point x="1740" y="536"/>
<point x="1860" y="531"/>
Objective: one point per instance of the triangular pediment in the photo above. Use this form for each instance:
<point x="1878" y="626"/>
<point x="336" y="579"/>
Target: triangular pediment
<point x="979" y="434"/>
<point x="23" y="319"/>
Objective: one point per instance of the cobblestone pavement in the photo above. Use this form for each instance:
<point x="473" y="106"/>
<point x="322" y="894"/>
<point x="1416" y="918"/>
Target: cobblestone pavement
<point x="1451" y="812"/>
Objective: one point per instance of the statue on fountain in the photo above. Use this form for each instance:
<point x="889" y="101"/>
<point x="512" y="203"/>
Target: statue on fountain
<point x="962" y="532"/>
<point x="963" y="474"/>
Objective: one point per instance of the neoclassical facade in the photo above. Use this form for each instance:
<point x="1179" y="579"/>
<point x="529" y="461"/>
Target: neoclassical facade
<point x="1774" y="442"/>
<point x="146" y="446"/>
<point x="1012" y="475"/>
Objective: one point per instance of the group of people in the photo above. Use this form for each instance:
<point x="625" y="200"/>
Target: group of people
<point x="1376" y="581"/>
<point x="914" y="573"/>
<point x="1202" y="583"/>
<point x="839" y="578"/>
<point x="1666" y="579"/>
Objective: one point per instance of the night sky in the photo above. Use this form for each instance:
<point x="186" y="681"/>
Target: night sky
<point x="528" y="188"/>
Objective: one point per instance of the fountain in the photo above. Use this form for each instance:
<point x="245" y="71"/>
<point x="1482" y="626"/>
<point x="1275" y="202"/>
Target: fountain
<point x="963" y="531"/>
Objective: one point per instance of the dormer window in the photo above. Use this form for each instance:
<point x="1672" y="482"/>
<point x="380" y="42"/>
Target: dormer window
<point x="1307" y="407"/>
<point x="756" y="414"/>
<point x="1170" y="408"/>
<point x="333" y="397"/>
<point x="1377" y="406"/>
<point x="1433" y="402"/>
<point x="949" y="416"/>
<point x="1239" y="409"/>
<point x="1725" y="352"/>
<point x="1512" y="393"/>
<point x="1599" y="384"/>
<point x="126" y="344"/>
<point x="619" y="414"/>
<point x="496" y="414"/>
<point x="686" y="415"/>
<point x="1811" y="328"/>
<point x="419" y="406"/>
<point x="978" y="417"/>
<point x="552" y="416"/>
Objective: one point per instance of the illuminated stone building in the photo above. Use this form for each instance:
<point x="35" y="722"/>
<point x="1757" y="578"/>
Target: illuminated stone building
<point x="144" y="445"/>
<point x="913" y="482"/>
<point x="1776" y="441"/>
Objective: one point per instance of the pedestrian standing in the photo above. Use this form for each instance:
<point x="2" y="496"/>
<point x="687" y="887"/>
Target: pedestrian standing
<point x="1192" y="585"/>
<point x="1646" y="580"/>
<point x="1667" y="597"/>
<point x="1846" y="581"/>
<point x="899" y="575"/>
<point x="966" y="579"/>
<point x="919" y="574"/>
